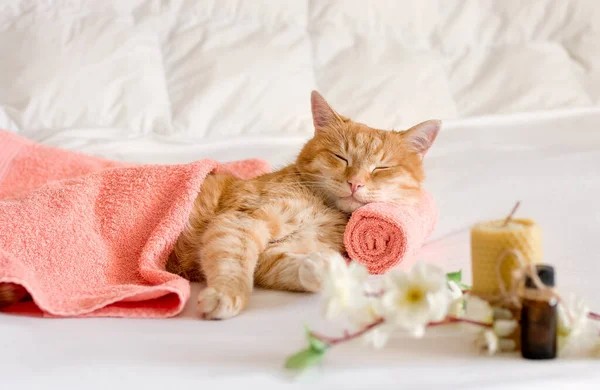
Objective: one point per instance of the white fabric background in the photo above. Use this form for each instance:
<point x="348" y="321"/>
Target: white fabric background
<point x="196" y="70"/>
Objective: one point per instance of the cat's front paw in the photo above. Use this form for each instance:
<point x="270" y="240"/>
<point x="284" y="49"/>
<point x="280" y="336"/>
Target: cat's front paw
<point x="214" y="304"/>
<point x="313" y="268"/>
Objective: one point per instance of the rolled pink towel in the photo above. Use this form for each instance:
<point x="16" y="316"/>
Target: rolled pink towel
<point x="381" y="235"/>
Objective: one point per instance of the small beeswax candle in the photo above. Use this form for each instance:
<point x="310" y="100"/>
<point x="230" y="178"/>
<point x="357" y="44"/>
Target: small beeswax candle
<point x="489" y="240"/>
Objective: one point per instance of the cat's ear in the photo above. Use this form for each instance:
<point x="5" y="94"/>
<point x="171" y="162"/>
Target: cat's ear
<point x="420" y="137"/>
<point x="322" y="113"/>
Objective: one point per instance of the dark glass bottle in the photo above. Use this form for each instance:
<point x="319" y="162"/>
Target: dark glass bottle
<point x="539" y="318"/>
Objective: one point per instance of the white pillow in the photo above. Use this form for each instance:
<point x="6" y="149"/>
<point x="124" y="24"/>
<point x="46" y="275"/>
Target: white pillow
<point x="67" y="66"/>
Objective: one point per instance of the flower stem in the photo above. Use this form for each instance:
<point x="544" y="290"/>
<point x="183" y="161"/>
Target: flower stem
<point x="331" y="341"/>
<point x="374" y="294"/>
<point x="456" y="320"/>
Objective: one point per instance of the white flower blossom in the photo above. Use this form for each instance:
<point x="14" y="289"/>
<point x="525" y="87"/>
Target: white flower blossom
<point x="457" y="305"/>
<point x="573" y="331"/>
<point x="378" y="336"/>
<point x="414" y="299"/>
<point x="479" y="310"/>
<point x="366" y="312"/>
<point x="343" y="286"/>
<point x="369" y="312"/>
<point x="572" y="327"/>
<point x="505" y="328"/>
<point x="455" y="290"/>
<point x="488" y="341"/>
<point x="493" y="340"/>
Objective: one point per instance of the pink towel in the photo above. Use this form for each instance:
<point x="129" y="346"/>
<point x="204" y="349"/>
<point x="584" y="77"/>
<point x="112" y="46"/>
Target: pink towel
<point x="90" y="237"/>
<point x="381" y="235"/>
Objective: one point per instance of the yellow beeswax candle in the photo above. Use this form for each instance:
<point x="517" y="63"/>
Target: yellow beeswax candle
<point x="489" y="240"/>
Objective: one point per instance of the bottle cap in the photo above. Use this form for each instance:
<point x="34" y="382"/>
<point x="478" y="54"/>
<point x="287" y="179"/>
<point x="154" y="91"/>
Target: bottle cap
<point x="545" y="273"/>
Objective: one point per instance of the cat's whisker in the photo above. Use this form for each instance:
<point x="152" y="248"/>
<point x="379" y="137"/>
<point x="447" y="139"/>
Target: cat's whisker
<point x="303" y="174"/>
<point x="296" y="185"/>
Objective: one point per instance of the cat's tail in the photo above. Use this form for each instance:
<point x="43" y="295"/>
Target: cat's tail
<point x="11" y="293"/>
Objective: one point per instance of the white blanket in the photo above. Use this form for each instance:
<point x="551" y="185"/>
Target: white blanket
<point x="477" y="170"/>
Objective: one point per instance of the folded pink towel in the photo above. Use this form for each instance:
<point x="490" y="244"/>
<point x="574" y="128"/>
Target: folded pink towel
<point x="90" y="237"/>
<point x="381" y="235"/>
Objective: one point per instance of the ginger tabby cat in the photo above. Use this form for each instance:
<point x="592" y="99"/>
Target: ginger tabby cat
<point x="278" y="230"/>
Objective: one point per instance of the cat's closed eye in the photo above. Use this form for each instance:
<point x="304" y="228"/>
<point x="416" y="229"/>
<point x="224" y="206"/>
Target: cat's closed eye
<point x="341" y="158"/>
<point x="382" y="168"/>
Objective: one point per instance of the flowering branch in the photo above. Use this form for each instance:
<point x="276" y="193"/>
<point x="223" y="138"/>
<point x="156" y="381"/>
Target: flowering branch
<point x="319" y="343"/>
<point x="331" y="341"/>
<point x="413" y="301"/>
<point x="346" y="281"/>
<point x="456" y="320"/>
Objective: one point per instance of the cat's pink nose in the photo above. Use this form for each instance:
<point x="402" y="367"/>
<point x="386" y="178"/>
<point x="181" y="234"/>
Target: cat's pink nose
<point x="355" y="184"/>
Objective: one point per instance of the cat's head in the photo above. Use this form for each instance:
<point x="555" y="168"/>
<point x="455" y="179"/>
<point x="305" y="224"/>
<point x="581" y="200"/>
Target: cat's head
<point x="353" y="164"/>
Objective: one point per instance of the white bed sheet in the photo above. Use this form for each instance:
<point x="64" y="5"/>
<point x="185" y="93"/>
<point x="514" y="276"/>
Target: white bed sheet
<point x="477" y="170"/>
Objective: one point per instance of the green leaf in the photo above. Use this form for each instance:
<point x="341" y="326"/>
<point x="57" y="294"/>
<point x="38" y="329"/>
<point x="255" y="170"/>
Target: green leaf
<point x="456" y="277"/>
<point x="315" y="343"/>
<point x="304" y="359"/>
<point x="309" y="356"/>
